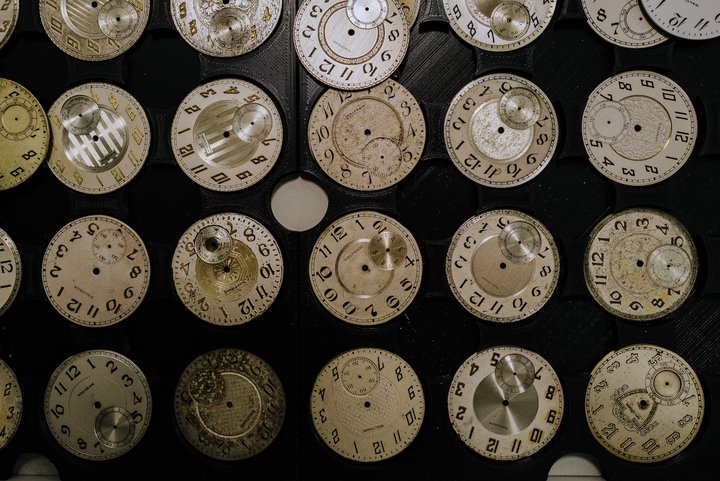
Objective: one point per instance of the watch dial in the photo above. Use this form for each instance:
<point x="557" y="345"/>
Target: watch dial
<point x="8" y="19"/>
<point x="692" y="20"/>
<point x="10" y="271"/>
<point x="11" y="404"/>
<point x="622" y="23"/>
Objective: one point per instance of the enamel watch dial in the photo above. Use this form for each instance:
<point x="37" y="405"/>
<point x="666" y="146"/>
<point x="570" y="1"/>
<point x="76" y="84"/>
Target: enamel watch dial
<point x="367" y="404"/>
<point x="622" y="23"/>
<point x="9" y="10"/>
<point x="229" y="404"/>
<point x="96" y="271"/>
<point x="367" y="140"/>
<point x="10" y="271"/>
<point x="692" y="20"/>
<point x="502" y="265"/>
<point x="227" y="135"/>
<point x="644" y="403"/>
<point x="11" y="404"/>
<point x="98" y="405"/>
<point x="365" y="268"/>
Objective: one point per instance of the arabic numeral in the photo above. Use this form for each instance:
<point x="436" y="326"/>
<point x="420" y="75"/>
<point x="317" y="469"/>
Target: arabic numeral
<point x="625" y="85"/>
<point x="335" y="436"/>
<point x="471" y="28"/>
<point x="393" y="35"/>
<point x="552" y="415"/>
<point x="616" y="298"/>
<point x="601" y="15"/>
<point x="550" y="393"/>
<point x="398" y="373"/>
<point x="456" y="11"/>
<point x="369" y="69"/>
<point x="677" y="20"/>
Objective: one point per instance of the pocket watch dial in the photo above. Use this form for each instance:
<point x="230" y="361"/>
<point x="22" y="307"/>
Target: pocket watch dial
<point x="98" y="405"/>
<point x="11" y="404"/>
<point x="227" y="135"/>
<point x="367" y="140"/>
<point x="644" y="403"/>
<point x="623" y="23"/>
<point x="365" y="268"/>
<point x="367" y="404"/>
<point x="689" y="20"/>
<point x="640" y="264"/>
<point x="501" y="130"/>
<point x="505" y="403"/>
<point x="10" y="271"/>
<point x="96" y="271"/>
<point x="101" y="138"/>
<point x="94" y="30"/>
<point x="9" y="10"/>
<point x="502" y="265"/>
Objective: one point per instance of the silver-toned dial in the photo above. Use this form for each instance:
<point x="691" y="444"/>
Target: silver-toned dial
<point x="9" y="10"/>
<point x="11" y="404"/>
<point x="692" y="20"/>
<point x="622" y="23"/>
<point x="10" y="271"/>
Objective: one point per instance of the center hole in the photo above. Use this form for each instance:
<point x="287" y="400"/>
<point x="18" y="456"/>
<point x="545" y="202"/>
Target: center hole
<point x="503" y="265"/>
<point x="351" y="32"/>
<point x="211" y="245"/>
<point x="367" y="404"/>
<point x="117" y="19"/>
<point x="367" y="132"/>
<point x="94" y="4"/>
<point x="226" y="269"/>
<point x="638" y="128"/>
<point x="226" y="134"/>
<point x="97" y="405"/>
<point x="96" y="271"/>
<point x="226" y="2"/>
<point x="640" y="263"/>
<point x="505" y="402"/>
<point x="643" y="404"/>
<point x="96" y="138"/>
<point x="365" y="268"/>
<point x="501" y="130"/>
<point x="229" y="404"/>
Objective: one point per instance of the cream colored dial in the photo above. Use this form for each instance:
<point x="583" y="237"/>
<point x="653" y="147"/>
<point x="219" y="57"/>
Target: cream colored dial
<point x="11" y="404"/>
<point x="227" y="135"/>
<point x="692" y="20"/>
<point x="506" y="403"/>
<point x="502" y="265"/>
<point x="10" y="271"/>
<point x="229" y="404"/>
<point x="98" y="404"/>
<point x="623" y="23"/>
<point x="9" y="10"/>
<point x="501" y="130"/>
<point x="365" y="268"/>
<point x="101" y="138"/>
<point x="225" y="28"/>
<point x="639" y="128"/>
<point x="367" y="140"/>
<point x="640" y="264"/>
<point x="367" y="404"/>
<point x="644" y="403"/>
<point x="94" y="29"/>
<point x="346" y="55"/>
<point x="96" y="271"/>
<point x="232" y="285"/>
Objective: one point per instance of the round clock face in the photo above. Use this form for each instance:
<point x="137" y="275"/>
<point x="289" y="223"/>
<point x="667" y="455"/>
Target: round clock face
<point x="501" y="130"/>
<point x="225" y="28"/>
<point x="644" y="403"/>
<point x="11" y="404"/>
<point x="96" y="271"/>
<point x="502" y="265"/>
<point x="696" y="20"/>
<point x="367" y="140"/>
<point x="229" y="404"/>
<point x="505" y="403"/>
<point x="346" y="47"/>
<point x="639" y="128"/>
<point x="227" y="135"/>
<point x="98" y="405"/>
<point x="10" y="271"/>
<point x="365" y="268"/>
<point x="623" y="23"/>
<point x="227" y="269"/>
<point x="9" y="10"/>
<point x="640" y="264"/>
<point x="94" y="30"/>
<point x="101" y="138"/>
<point x="24" y="134"/>
<point x="499" y="25"/>
<point x="367" y="404"/>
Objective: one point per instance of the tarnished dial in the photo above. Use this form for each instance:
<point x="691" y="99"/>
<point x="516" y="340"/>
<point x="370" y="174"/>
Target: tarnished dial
<point x="227" y="134"/>
<point x="225" y="286"/>
<point x="623" y="23"/>
<point x="692" y="20"/>
<point x="11" y="404"/>
<point x="499" y="25"/>
<point x="10" y="271"/>
<point x="501" y="130"/>
<point x="367" y="404"/>
<point x="346" y="55"/>
<point x="365" y="268"/>
<point x="229" y="404"/>
<point x="502" y="265"/>
<point x="94" y="30"/>
<point x="96" y="271"/>
<point x="367" y="140"/>
<point x="101" y="138"/>
<point x="644" y="403"/>
<point x="225" y="28"/>
<point x="505" y="403"/>
<point x="640" y="264"/>
<point x="98" y="404"/>
<point x="9" y="10"/>
<point x="24" y="134"/>
<point x="639" y="128"/>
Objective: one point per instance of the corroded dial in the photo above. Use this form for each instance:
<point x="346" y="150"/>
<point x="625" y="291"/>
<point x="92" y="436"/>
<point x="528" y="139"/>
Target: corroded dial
<point x="692" y="20"/>
<point x="11" y="404"/>
<point x="9" y="10"/>
<point x="623" y="23"/>
<point x="10" y="271"/>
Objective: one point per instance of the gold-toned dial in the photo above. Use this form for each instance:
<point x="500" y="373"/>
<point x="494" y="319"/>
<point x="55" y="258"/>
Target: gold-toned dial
<point x="11" y="404"/>
<point x="9" y="10"/>
<point x="365" y="268"/>
<point x="101" y="138"/>
<point x="506" y="403"/>
<point x="691" y="20"/>
<point x="501" y="130"/>
<point x="227" y="134"/>
<point x="94" y="30"/>
<point x="367" y="140"/>
<point x="229" y="404"/>
<point x="227" y="286"/>
<point x="623" y="23"/>
<point x="640" y="264"/>
<point x="367" y="404"/>
<point x="639" y="127"/>
<point x="502" y="265"/>
<point x="644" y="403"/>
<point x="10" y="271"/>
<point x="225" y="28"/>
<point x="96" y="271"/>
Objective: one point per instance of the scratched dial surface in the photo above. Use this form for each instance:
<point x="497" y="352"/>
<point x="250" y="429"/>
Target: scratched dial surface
<point x="9" y="10"/>
<point x="11" y="404"/>
<point x="10" y="271"/>
<point x="691" y="20"/>
<point x="622" y="23"/>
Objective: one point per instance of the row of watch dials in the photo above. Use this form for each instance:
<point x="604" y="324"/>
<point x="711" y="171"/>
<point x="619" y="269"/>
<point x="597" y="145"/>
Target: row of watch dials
<point x="643" y="403"/>
<point x="365" y="268"/>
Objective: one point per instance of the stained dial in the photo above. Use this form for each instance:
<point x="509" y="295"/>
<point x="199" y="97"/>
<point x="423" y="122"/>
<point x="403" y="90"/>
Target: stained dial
<point x="10" y="271"/>
<point x="11" y="404"/>
<point x="692" y="20"/>
<point x="9" y="10"/>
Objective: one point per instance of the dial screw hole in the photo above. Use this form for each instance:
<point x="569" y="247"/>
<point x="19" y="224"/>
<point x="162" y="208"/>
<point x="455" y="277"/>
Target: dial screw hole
<point x="351" y="32"/>
<point x="365" y="268"/>
<point x="94" y="4"/>
<point x="95" y="138"/>
<point x="97" y="405"/>
<point x="226" y="134"/>
<point x="643" y="404"/>
<point x="505" y="402"/>
<point x="96" y="271"/>
<point x="638" y="128"/>
<point x="503" y="265"/>
<point x="640" y="263"/>
<point x="367" y="404"/>
<point x="501" y="130"/>
<point x="367" y="132"/>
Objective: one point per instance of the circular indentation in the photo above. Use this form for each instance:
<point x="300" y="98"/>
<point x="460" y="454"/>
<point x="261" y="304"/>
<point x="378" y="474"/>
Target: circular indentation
<point x="299" y="203"/>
